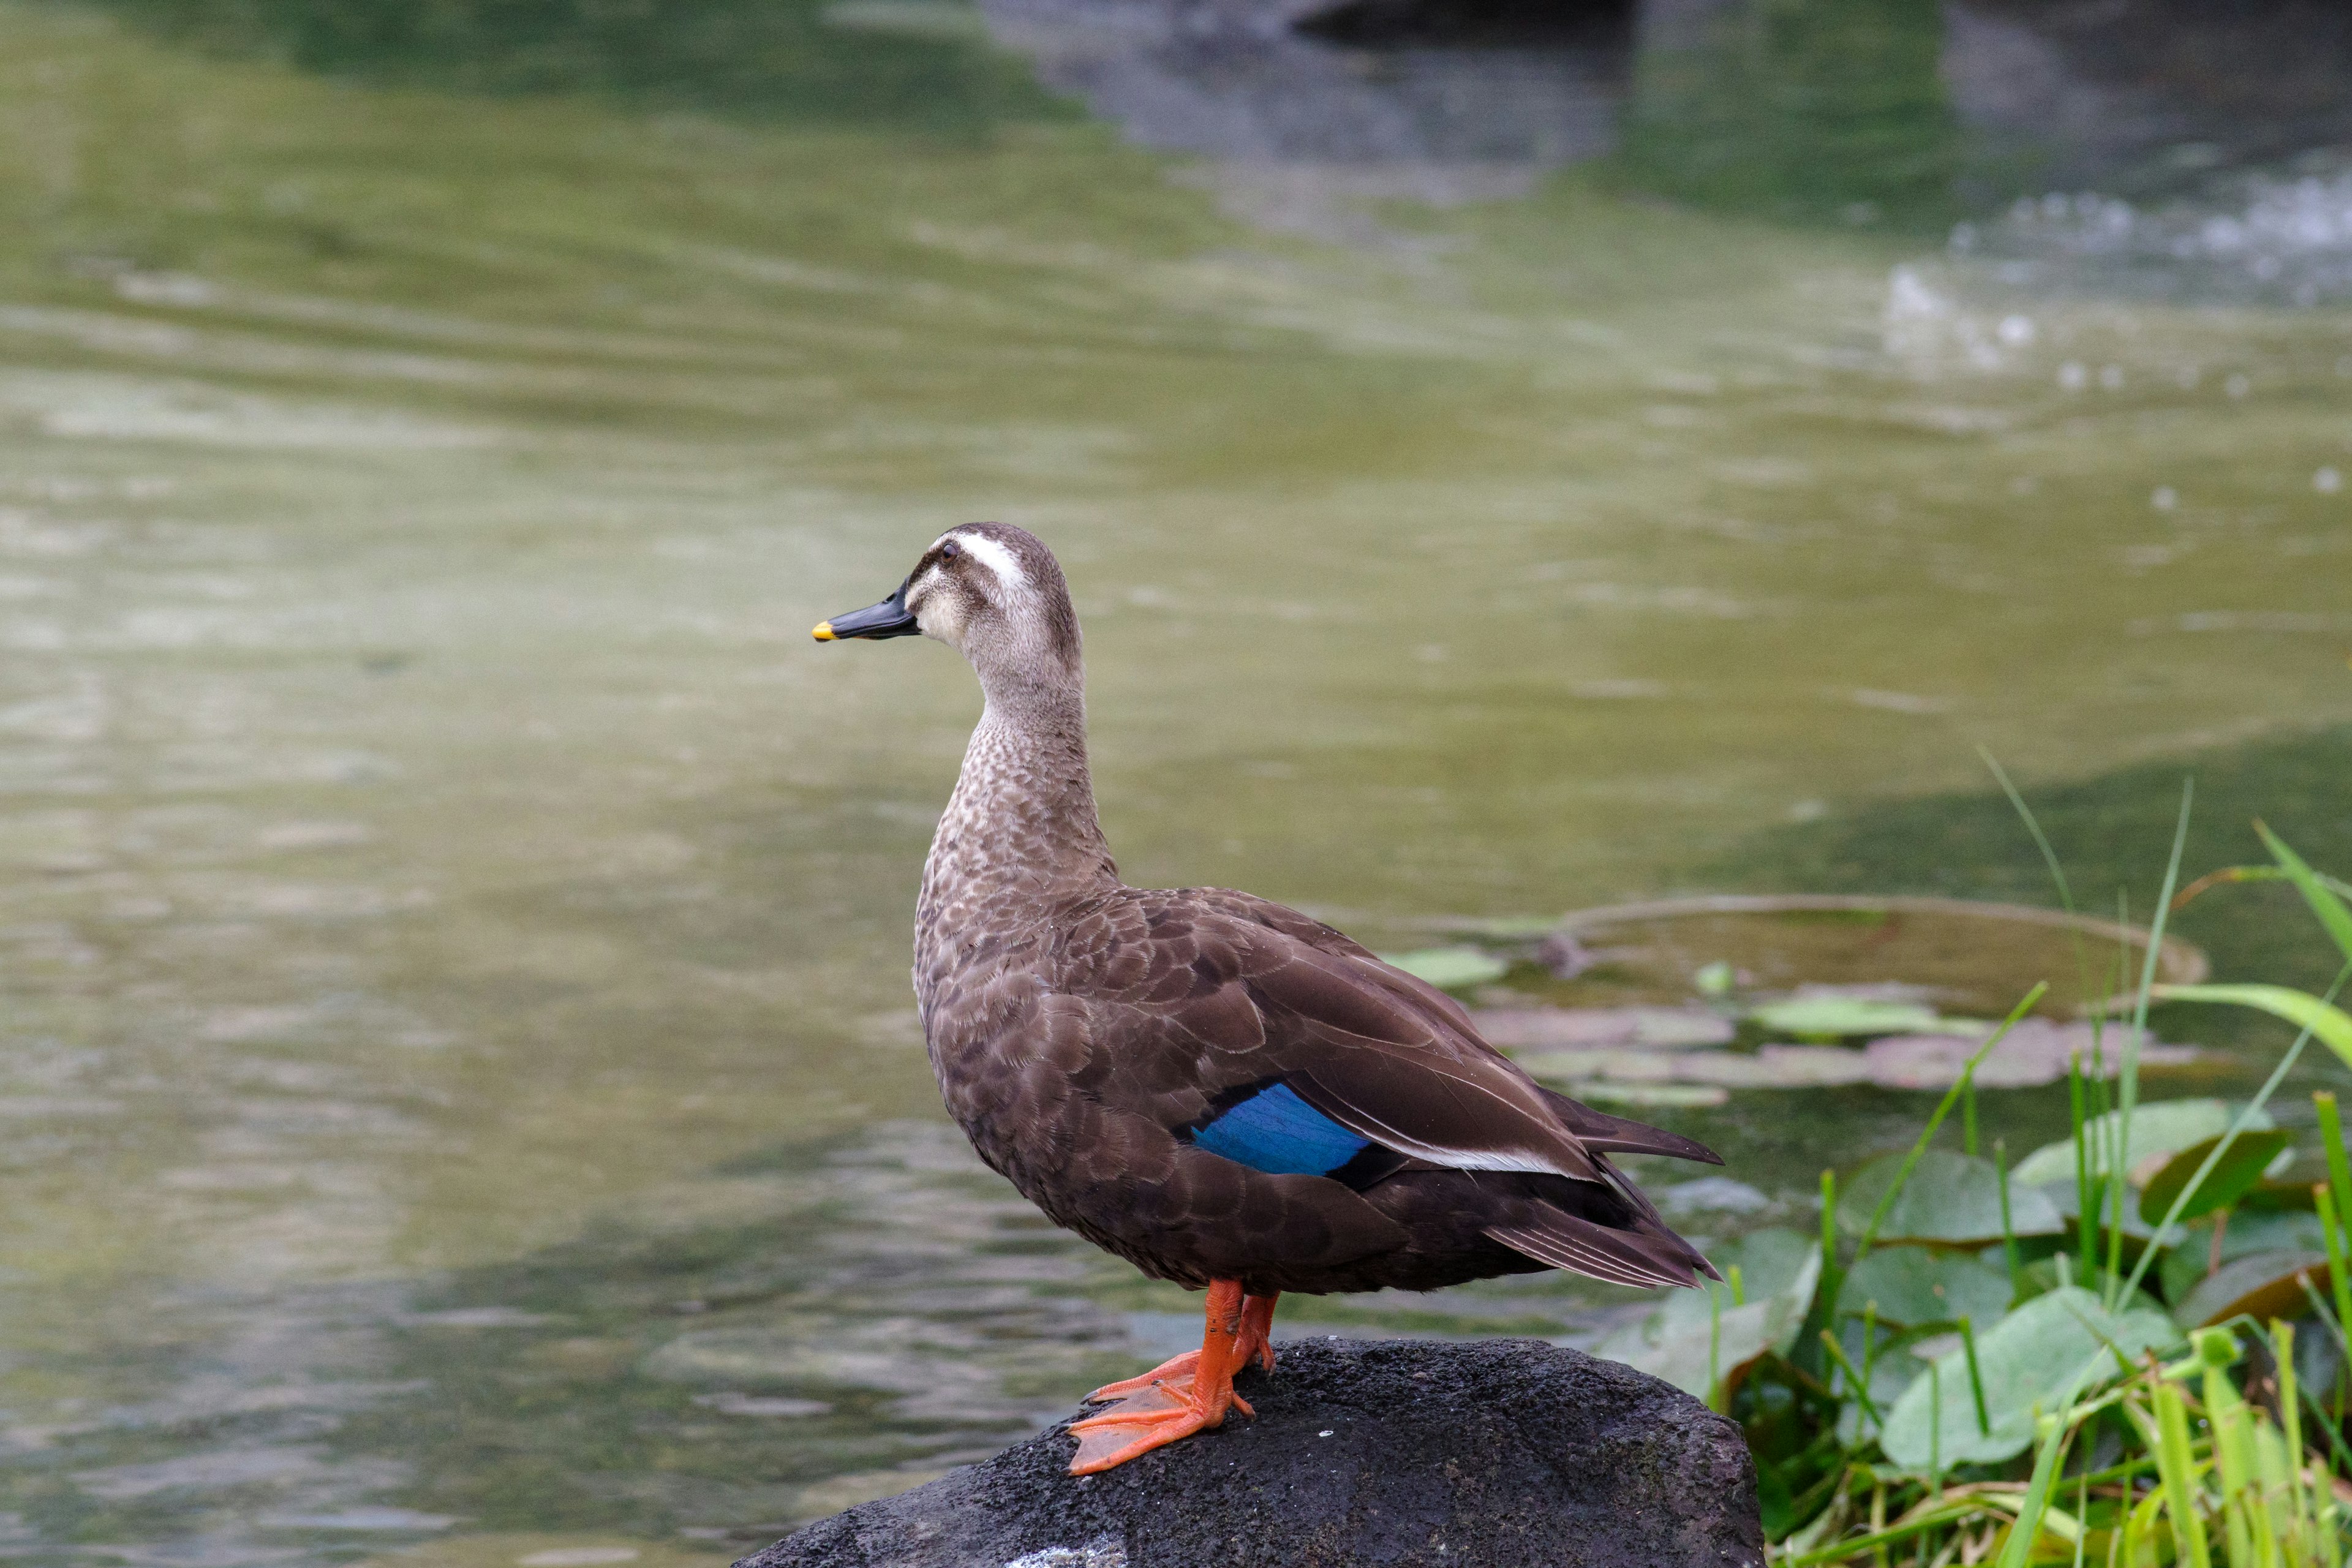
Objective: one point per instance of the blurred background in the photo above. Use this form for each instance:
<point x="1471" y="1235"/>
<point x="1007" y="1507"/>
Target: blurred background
<point x="461" y="1102"/>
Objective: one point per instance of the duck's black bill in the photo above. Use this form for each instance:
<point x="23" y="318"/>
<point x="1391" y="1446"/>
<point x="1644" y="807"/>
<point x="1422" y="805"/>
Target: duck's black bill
<point x="887" y="619"/>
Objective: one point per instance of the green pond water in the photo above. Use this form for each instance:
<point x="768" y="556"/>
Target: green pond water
<point x="459" y="1096"/>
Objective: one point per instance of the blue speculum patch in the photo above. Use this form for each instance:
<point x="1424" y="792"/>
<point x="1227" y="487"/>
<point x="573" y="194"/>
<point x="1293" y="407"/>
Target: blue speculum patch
<point x="1280" y="1134"/>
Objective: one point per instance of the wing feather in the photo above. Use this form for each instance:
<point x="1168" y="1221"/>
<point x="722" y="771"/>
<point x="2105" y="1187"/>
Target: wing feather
<point x="1642" y="1259"/>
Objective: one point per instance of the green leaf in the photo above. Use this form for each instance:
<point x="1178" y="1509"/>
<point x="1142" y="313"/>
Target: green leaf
<point x="1891" y="1373"/>
<point x="2027" y="1360"/>
<point x="1838" y="1015"/>
<point x="2068" y="1201"/>
<point x="2163" y="1126"/>
<point x="2187" y="1265"/>
<point x="1950" y="1198"/>
<point x="1780" y="1270"/>
<point x="2262" y="1285"/>
<point x="1449" y="968"/>
<point x="2329" y="1024"/>
<point x="1912" y="1285"/>
<point x="2238" y="1173"/>
<point x="2314" y="889"/>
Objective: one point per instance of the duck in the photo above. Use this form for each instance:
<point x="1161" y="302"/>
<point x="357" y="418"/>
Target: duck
<point x="1224" y="1091"/>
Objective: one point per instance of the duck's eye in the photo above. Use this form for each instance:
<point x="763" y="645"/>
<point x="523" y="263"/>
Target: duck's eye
<point x="951" y="550"/>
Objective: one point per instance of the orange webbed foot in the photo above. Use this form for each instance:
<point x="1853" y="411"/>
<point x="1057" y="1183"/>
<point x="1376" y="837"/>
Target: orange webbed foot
<point x="1184" y="1394"/>
<point x="1148" y="1419"/>
<point x="1175" y="1369"/>
<point x="1257" y="1327"/>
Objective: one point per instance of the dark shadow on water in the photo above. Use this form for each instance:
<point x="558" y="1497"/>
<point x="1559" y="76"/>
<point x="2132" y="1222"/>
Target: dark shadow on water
<point x="923" y="65"/>
<point x="1473" y="24"/>
<point x="1896" y="113"/>
<point x="2112" y="832"/>
<point x="1808" y="110"/>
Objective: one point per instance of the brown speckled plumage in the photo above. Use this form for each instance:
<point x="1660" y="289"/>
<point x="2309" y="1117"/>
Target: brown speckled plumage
<point x="1083" y="1030"/>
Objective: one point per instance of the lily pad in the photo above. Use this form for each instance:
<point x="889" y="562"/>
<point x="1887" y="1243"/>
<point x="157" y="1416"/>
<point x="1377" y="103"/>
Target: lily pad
<point x="1449" y="968"/>
<point x="1912" y="1285"/>
<point x="2036" y="1051"/>
<point x="2187" y="1264"/>
<point x="2026" y="1362"/>
<point x="2248" y="1159"/>
<point x="2068" y="1201"/>
<point x="2262" y="1285"/>
<point x="1655" y="1028"/>
<point x="1968" y="957"/>
<point x="1892" y="1371"/>
<point x="1950" y="1198"/>
<point x="2162" y="1127"/>
<point x="1778" y="1067"/>
<point x="1779" y="1272"/>
<point x="1680" y="1095"/>
<point x="1660" y="1048"/>
<point x="1831" y="1015"/>
<point x="1617" y="1062"/>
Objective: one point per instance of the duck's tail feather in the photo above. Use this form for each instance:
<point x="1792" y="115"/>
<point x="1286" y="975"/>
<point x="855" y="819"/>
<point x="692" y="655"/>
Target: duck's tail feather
<point x="1643" y="1258"/>
<point x="1608" y="1134"/>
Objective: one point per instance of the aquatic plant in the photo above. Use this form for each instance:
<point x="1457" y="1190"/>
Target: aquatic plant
<point x="2128" y="1347"/>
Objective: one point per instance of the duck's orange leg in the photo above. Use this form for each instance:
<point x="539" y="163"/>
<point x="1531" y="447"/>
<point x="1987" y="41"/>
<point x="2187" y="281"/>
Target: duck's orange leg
<point x="1153" y="1411"/>
<point x="1257" y="1329"/>
<point x="1257" y="1322"/>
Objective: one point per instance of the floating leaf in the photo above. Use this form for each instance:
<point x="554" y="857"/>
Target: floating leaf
<point x="1509" y="928"/>
<point x="1950" y="1198"/>
<point x="2160" y="1126"/>
<point x="1834" y="1016"/>
<point x="1966" y="957"/>
<point x="2278" y="1194"/>
<point x="2068" y="1201"/>
<point x="2246" y="1232"/>
<point x="1657" y="1028"/>
<point x="2332" y="1026"/>
<point x="1779" y="1272"/>
<point x="2034" y="1051"/>
<point x="1711" y="1194"/>
<point x="1778" y="1067"/>
<point x="2045" y="1275"/>
<point x="1656" y="1045"/>
<point x="1772" y="1262"/>
<point x="2025" y="1361"/>
<point x="1671" y="1094"/>
<point x="2249" y="1155"/>
<point x="1449" y="968"/>
<point x="1618" y="1062"/>
<point x="1912" y="1285"/>
<point x="2262" y="1285"/>
<point x="1891" y="1372"/>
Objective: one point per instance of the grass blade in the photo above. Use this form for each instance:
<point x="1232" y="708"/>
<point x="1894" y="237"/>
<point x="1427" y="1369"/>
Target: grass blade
<point x="2221" y="1144"/>
<point x="2314" y="889"/>
<point x="1951" y="1096"/>
<point x="2331" y="1024"/>
<point x="2127" y="1078"/>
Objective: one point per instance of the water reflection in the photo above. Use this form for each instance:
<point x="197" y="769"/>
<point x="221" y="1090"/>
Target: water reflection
<point x="914" y="64"/>
<point x="1804" y="109"/>
<point x="1903" y="112"/>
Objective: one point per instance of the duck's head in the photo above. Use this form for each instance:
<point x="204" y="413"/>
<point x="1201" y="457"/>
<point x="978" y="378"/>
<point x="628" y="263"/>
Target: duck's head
<point x="989" y="590"/>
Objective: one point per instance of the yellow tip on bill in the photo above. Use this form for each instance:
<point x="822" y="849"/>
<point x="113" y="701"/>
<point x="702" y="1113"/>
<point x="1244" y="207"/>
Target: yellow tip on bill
<point x="824" y="632"/>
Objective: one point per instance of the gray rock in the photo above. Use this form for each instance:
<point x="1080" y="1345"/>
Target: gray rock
<point x="1401" y="1453"/>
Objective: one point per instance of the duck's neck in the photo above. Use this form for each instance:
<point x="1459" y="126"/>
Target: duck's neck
<point x="1019" y="836"/>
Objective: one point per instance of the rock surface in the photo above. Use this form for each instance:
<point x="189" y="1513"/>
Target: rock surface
<point x="1499" y="1454"/>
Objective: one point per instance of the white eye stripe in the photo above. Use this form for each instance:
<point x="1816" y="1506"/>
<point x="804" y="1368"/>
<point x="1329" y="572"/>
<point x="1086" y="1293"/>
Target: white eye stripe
<point x="993" y="554"/>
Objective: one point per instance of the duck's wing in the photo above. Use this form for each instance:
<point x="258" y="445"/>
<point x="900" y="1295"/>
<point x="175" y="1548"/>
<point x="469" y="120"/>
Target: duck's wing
<point x="1258" y="999"/>
<point x="1596" y="1131"/>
